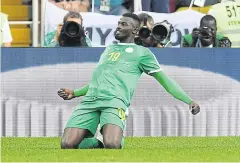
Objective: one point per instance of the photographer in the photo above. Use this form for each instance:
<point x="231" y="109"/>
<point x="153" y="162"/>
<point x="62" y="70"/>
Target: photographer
<point x="206" y="36"/>
<point x="153" y="35"/>
<point x="70" y="33"/>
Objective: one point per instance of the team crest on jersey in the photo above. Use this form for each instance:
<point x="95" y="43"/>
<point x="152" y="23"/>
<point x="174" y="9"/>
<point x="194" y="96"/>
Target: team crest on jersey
<point x="129" y="50"/>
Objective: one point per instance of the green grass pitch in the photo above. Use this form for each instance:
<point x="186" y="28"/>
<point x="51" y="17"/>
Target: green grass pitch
<point x="147" y="149"/>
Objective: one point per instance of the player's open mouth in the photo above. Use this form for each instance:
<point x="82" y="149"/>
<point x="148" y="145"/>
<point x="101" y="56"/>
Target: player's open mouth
<point x="117" y="32"/>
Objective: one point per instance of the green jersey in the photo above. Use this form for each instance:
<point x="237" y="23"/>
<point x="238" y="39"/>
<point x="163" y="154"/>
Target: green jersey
<point x="116" y="75"/>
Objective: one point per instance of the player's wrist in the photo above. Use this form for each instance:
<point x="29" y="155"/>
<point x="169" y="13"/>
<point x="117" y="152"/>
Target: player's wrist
<point x="75" y="93"/>
<point x="191" y="102"/>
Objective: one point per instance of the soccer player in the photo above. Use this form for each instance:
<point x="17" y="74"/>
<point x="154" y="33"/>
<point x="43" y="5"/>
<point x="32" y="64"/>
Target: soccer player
<point x="110" y="91"/>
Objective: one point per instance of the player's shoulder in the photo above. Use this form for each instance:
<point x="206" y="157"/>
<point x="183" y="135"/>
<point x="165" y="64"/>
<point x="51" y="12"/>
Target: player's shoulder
<point x="145" y="51"/>
<point x="219" y="36"/>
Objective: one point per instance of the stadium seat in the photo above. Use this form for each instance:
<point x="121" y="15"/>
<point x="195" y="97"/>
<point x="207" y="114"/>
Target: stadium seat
<point x="11" y="2"/>
<point x="16" y="11"/>
<point x="21" y="36"/>
<point x="199" y="9"/>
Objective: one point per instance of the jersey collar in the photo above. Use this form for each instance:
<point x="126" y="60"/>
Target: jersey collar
<point x="126" y="43"/>
<point x="118" y="43"/>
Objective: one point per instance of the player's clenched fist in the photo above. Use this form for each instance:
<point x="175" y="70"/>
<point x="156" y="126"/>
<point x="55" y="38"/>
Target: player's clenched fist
<point x="194" y="108"/>
<point x="65" y="93"/>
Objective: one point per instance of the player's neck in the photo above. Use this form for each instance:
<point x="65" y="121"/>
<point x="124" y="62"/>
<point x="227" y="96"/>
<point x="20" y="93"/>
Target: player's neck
<point x="127" y="40"/>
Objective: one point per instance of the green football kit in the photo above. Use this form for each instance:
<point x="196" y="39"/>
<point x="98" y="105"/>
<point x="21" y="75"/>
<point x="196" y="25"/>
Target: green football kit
<point x="112" y="86"/>
<point x="111" y="89"/>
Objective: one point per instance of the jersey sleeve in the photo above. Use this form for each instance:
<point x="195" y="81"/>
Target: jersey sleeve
<point x="184" y="43"/>
<point x="148" y="62"/>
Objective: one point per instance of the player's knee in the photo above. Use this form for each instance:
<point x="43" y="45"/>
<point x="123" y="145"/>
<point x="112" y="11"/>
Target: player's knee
<point x="66" y="144"/>
<point x="112" y="144"/>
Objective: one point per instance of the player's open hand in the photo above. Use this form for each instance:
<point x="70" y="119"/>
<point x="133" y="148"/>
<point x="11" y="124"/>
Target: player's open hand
<point x="194" y="108"/>
<point x="65" y="93"/>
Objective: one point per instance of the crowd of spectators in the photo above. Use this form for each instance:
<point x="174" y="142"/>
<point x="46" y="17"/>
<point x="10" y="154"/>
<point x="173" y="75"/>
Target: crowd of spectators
<point x="108" y="7"/>
<point x="119" y="7"/>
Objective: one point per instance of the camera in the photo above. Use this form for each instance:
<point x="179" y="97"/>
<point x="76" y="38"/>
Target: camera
<point x="144" y="32"/>
<point x="206" y="32"/>
<point x="160" y="33"/>
<point x="72" y="34"/>
<point x="205" y="37"/>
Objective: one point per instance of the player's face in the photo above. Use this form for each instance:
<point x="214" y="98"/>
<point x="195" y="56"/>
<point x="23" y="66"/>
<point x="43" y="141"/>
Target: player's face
<point x="125" y="28"/>
<point x="209" y="24"/>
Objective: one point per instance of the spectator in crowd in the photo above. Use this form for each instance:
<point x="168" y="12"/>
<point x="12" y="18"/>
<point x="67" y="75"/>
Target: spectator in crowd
<point x="160" y="6"/>
<point x="147" y="22"/>
<point x="227" y="14"/>
<point x="72" y="5"/>
<point x="52" y="38"/>
<point x="186" y="3"/>
<point x="5" y="36"/>
<point x="206" y="35"/>
<point x="129" y="5"/>
<point x="110" y="7"/>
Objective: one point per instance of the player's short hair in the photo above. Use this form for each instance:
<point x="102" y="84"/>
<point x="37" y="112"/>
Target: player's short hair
<point x="146" y="16"/>
<point x="207" y="18"/>
<point x="72" y="14"/>
<point x="133" y="16"/>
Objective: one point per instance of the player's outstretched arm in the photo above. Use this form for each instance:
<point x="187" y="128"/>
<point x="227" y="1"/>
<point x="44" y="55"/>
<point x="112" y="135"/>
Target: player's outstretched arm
<point x="68" y="94"/>
<point x="175" y="90"/>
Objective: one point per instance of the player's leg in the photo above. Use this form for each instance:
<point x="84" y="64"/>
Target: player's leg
<point x="112" y="121"/>
<point x="72" y="137"/>
<point x="112" y="136"/>
<point x="82" y="124"/>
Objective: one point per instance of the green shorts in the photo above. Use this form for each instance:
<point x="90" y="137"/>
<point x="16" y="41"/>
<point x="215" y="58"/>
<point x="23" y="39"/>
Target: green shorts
<point x="90" y="118"/>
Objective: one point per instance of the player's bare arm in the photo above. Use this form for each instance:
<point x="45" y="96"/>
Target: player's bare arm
<point x="176" y="91"/>
<point x="68" y="94"/>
